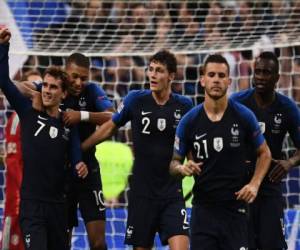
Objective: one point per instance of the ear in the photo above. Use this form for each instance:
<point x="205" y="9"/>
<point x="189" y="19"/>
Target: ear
<point x="202" y="81"/>
<point x="229" y="81"/>
<point x="64" y="95"/>
<point x="171" y="77"/>
<point x="277" y="78"/>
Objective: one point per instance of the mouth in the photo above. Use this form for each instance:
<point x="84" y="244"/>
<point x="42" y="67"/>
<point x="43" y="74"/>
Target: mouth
<point x="153" y="83"/>
<point x="259" y="85"/>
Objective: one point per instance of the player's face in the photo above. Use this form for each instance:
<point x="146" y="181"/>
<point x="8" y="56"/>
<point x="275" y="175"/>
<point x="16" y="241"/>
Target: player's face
<point x="159" y="77"/>
<point x="265" y="76"/>
<point x="52" y="92"/>
<point x="78" y="76"/>
<point x="215" y="80"/>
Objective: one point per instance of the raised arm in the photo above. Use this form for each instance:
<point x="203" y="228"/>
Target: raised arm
<point x="15" y="98"/>
<point x="101" y="134"/>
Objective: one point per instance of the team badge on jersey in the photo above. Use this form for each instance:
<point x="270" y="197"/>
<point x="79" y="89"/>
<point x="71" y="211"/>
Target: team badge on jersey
<point x="277" y="123"/>
<point x="262" y="127"/>
<point x="82" y="103"/>
<point x="53" y="132"/>
<point x="218" y="144"/>
<point x="177" y="116"/>
<point x="66" y="133"/>
<point x="235" y="135"/>
<point x="161" y="124"/>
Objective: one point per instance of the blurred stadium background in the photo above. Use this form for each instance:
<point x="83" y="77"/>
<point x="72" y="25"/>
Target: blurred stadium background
<point x="118" y="37"/>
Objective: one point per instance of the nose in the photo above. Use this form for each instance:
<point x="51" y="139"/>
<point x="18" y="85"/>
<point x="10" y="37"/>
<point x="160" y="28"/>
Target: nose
<point x="78" y="82"/>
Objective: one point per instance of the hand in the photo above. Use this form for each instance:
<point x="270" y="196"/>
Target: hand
<point x="71" y="117"/>
<point x="81" y="169"/>
<point x="248" y="193"/>
<point x="5" y="35"/>
<point x="190" y="168"/>
<point x="280" y="170"/>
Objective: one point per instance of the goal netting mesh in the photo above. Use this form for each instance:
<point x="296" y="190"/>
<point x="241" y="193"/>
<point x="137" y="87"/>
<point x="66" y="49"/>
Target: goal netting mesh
<point x="119" y="36"/>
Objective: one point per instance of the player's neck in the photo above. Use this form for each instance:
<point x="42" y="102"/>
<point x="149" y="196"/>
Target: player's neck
<point x="215" y="109"/>
<point x="161" y="97"/>
<point x="52" y="111"/>
<point x="264" y="99"/>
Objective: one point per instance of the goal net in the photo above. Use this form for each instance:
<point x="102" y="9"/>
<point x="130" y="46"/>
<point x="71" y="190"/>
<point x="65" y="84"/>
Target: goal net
<point x="119" y="37"/>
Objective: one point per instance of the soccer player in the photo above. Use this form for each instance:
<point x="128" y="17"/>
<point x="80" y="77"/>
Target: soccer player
<point x="277" y="116"/>
<point x="12" y="237"/>
<point x="46" y="145"/>
<point x="87" y="105"/>
<point x="155" y="198"/>
<point x="214" y="136"/>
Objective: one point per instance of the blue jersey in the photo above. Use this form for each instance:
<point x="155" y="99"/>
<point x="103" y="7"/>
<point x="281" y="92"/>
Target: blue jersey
<point x="92" y="99"/>
<point x="280" y="118"/>
<point x="153" y="131"/>
<point x="221" y="146"/>
<point x="46" y="144"/>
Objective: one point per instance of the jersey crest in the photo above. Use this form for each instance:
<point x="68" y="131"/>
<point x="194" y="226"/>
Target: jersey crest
<point x="277" y="123"/>
<point x="82" y="103"/>
<point x="218" y="144"/>
<point x="161" y="124"/>
<point x="53" y="132"/>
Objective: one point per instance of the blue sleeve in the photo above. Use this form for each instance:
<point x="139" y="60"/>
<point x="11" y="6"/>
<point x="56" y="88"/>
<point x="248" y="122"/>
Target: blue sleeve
<point x="124" y="114"/>
<point x="181" y="140"/>
<point x="14" y="97"/>
<point x="75" y="154"/>
<point x="38" y="86"/>
<point x="254" y="131"/>
<point x="294" y="125"/>
<point x="102" y="102"/>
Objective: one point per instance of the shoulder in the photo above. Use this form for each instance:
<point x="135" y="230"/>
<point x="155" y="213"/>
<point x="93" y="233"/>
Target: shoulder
<point x="183" y="100"/>
<point x="286" y="102"/>
<point x="90" y="87"/>
<point x="137" y="94"/>
<point x="242" y="95"/>
<point x="192" y="114"/>
<point x="241" y="110"/>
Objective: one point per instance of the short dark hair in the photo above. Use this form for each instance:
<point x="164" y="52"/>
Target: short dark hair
<point x="78" y="59"/>
<point x="215" y="58"/>
<point x="58" y="73"/>
<point x="268" y="55"/>
<point x="167" y="58"/>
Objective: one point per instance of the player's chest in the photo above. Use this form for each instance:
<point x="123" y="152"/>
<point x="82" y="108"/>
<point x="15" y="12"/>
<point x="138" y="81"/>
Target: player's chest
<point x="272" y="123"/>
<point x="157" y="120"/>
<point x="78" y="103"/>
<point x="44" y="131"/>
<point x="207" y="141"/>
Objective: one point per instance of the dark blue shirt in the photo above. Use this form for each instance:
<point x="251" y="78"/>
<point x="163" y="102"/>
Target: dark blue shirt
<point x="153" y="131"/>
<point x="280" y="118"/>
<point x="221" y="146"/>
<point x="92" y="99"/>
<point x="46" y="144"/>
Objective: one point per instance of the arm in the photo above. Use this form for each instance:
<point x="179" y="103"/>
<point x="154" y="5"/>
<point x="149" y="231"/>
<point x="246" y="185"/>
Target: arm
<point x="74" y="117"/>
<point x="77" y="164"/>
<point x="101" y="134"/>
<point x="187" y="169"/>
<point x="282" y="167"/>
<point x="249" y="192"/>
<point x="15" y="98"/>
<point x="28" y="89"/>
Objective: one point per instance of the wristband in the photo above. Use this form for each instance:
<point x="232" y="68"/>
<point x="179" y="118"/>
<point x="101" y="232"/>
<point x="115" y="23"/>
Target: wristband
<point x="84" y="115"/>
